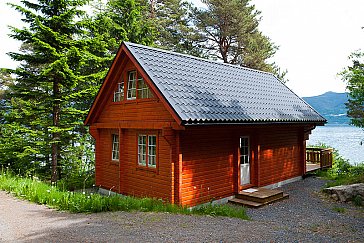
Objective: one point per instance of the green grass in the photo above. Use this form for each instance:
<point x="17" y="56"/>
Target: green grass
<point x="42" y="193"/>
<point x="342" y="172"/>
<point x="351" y="174"/>
<point x="339" y="209"/>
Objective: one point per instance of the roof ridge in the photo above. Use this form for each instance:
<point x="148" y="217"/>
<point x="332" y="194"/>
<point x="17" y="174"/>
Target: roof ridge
<point x="198" y="58"/>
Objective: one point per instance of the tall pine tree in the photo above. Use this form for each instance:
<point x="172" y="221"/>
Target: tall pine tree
<point x="64" y="57"/>
<point x="229" y="31"/>
<point x="173" y="22"/>
<point x="46" y="90"/>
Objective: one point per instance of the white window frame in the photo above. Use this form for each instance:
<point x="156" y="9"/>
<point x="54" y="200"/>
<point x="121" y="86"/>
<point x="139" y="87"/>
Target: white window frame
<point x="152" y="152"/>
<point x="115" y="147"/>
<point x="142" y="150"/>
<point x="132" y="85"/>
<point x="147" y="150"/>
<point x="244" y="157"/>
<point x="143" y="91"/>
<point x="119" y="92"/>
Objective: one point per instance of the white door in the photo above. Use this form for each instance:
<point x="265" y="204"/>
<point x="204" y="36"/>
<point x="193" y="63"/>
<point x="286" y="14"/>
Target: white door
<point x="244" y="161"/>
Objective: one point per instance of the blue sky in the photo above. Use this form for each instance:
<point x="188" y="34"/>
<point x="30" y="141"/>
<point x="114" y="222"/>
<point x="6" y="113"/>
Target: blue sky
<point x="315" y="39"/>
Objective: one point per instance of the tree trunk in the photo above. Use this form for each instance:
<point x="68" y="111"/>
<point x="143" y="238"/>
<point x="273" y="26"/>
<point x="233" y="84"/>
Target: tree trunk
<point x="152" y="8"/>
<point x="55" y="135"/>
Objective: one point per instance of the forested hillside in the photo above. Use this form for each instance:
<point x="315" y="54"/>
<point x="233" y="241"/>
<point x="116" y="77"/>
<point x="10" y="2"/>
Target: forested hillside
<point x="331" y="105"/>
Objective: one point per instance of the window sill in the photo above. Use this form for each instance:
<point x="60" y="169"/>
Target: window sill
<point x="149" y="169"/>
<point x="133" y="101"/>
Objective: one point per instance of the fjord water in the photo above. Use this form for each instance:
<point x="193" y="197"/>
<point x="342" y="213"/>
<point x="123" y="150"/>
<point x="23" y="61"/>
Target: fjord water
<point x="346" y="139"/>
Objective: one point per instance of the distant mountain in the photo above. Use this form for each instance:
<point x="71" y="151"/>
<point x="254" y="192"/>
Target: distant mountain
<point x="331" y="105"/>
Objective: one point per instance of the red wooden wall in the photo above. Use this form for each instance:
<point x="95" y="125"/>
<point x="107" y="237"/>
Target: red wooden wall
<point x="140" y="181"/>
<point x="107" y="171"/>
<point x="134" y="179"/>
<point x="128" y="119"/>
<point x="145" y="110"/>
<point x="210" y="159"/>
<point x="281" y="155"/>
<point x="208" y="164"/>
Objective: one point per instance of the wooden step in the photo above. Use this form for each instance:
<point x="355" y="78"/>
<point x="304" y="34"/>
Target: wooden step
<point x="262" y="195"/>
<point x="258" y="198"/>
<point x="252" y="204"/>
<point x="246" y="203"/>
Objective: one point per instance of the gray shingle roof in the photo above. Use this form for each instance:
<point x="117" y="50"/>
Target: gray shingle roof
<point x="202" y="91"/>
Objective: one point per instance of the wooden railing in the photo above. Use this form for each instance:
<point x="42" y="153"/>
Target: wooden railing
<point x="320" y="156"/>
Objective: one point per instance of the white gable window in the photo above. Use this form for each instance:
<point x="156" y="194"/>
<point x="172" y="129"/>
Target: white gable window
<point x="115" y="147"/>
<point x="143" y="89"/>
<point x="137" y="87"/>
<point x="131" y="94"/>
<point x="119" y="92"/>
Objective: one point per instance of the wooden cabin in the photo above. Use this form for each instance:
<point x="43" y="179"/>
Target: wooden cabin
<point x="190" y="130"/>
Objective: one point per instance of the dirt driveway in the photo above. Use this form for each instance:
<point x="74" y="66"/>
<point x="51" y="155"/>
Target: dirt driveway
<point x="304" y="217"/>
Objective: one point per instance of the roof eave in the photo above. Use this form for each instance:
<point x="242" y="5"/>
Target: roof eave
<point x="220" y="123"/>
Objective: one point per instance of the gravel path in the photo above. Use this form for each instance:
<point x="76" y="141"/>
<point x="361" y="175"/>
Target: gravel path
<point x="306" y="216"/>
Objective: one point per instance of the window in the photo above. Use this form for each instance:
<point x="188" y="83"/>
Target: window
<point x="244" y="150"/>
<point x="143" y="89"/>
<point x="152" y="149"/>
<point x="136" y="88"/>
<point x="115" y="147"/>
<point x="131" y="86"/>
<point x="147" y="150"/>
<point x="142" y="150"/>
<point x="119" y="92"/>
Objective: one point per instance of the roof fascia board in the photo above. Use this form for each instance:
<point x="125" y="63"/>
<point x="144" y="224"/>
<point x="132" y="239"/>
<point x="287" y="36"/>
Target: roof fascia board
<point x="107" y="88"/>
<point x="90" y="116"/>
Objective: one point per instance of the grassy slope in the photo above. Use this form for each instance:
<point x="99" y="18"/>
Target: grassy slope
<point x="42" y="193"/>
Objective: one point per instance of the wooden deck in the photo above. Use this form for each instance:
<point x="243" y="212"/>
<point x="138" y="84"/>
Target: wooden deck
<point x="310" y="167"/>
<point x="318" y="158"/>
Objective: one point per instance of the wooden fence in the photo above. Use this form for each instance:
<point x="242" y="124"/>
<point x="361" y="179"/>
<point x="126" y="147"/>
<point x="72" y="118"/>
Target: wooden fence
<point x="320" y="156"/>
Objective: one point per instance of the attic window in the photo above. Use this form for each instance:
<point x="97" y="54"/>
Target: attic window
<point x="137" y="87"/>
<point x="143" y="89"/>
<point x="119" y="92"/>
<point x="131" y="85"/>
